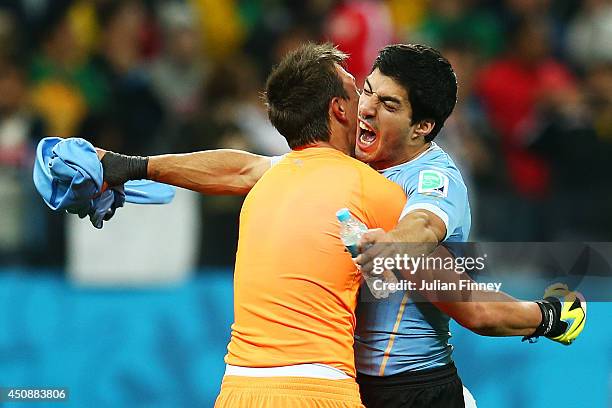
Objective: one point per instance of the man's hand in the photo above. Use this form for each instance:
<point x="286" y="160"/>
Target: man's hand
<point x="416" y="235"/>
<point x="563" y="315"/>
<point x="374" y="243"/>
<point x="571" y="308"/>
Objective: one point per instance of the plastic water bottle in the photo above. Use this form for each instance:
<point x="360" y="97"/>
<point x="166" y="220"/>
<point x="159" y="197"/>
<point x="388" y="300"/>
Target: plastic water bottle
<point x="351" y="230"/>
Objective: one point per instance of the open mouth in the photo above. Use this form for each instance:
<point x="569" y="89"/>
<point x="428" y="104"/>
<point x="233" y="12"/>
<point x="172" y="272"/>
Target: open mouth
<point x="367" y="135"/>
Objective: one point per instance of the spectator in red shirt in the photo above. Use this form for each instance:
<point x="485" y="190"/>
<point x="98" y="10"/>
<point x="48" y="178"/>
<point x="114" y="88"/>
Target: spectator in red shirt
<point x="517" y="90"/>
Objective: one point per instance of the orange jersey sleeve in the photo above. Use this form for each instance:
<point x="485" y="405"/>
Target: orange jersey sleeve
<point x="295" y="288"/>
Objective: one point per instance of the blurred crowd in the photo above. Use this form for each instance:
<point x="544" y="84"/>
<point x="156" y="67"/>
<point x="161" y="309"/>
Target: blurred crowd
<point x="532" y="131"/>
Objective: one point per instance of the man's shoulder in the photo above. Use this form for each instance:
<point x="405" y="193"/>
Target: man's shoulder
<point x="364" y="171"/>
<point x="375" y="187"/>
<point x="435" y="164"/>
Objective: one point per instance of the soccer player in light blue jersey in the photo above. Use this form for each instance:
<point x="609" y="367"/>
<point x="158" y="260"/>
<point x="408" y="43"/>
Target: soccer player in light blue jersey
<point x="402" y="343"/>
<point x="402" y="352"/>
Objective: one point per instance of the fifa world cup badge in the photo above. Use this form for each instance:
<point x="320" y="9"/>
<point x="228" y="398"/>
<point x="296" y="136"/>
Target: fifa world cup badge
<point x="433" y="182"/>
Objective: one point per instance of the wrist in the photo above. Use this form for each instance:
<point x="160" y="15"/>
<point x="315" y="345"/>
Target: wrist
<point x="119" y="168"/>
<point x="550" y="326"/>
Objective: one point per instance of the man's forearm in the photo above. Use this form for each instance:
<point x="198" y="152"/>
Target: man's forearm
<point x="483" y="312"/>
<point x="487" y="313"/>
<point x="210" y="172"/>
<point x="509" y="317"/>
<point x="221" y="171"/>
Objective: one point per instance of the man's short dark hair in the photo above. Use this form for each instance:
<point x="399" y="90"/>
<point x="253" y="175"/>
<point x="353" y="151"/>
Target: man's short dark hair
<point x="298" y="92"/>
<point x="428" y="78"/>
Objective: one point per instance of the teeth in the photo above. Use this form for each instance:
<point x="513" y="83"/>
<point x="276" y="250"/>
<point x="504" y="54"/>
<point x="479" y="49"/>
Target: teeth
<point x="364" y="126"/>
<point x="367" y="136"/>
<point x="366" y="140"/>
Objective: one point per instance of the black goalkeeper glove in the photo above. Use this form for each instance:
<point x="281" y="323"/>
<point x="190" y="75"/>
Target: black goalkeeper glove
<point x="118" y="168"/>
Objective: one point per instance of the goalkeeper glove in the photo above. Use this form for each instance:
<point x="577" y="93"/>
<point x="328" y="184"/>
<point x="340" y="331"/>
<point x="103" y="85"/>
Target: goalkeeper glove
<point x="118" y="168"/>
<point x="563" y="315"/>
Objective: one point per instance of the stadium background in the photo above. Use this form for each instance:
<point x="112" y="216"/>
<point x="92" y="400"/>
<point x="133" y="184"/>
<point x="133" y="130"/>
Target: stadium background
<point x="138" y="314"/>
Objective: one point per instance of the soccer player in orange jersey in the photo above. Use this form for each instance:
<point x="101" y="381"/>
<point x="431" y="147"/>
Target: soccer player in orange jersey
<point x="295" y="289"/>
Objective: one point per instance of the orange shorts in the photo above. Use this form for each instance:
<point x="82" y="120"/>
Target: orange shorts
<point x="287" y="392"/>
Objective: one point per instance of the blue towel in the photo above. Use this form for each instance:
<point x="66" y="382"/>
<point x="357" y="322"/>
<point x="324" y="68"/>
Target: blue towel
<point x="68" y="176"/>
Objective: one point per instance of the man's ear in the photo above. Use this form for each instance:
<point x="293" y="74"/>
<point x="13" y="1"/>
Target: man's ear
<point x="423" y="128"/>
<point x="338" y="109"/>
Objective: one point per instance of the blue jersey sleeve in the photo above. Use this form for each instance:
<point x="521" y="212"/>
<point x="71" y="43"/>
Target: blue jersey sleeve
<point x="438" y="190"/>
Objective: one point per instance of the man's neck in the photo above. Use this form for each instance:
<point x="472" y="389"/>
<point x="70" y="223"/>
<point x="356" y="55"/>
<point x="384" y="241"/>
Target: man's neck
<point x="417" y="152"/>
<point x="405" y="158"/>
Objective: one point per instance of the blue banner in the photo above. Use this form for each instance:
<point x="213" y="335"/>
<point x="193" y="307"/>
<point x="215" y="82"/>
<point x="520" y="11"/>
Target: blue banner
<point x="165" y="347"/>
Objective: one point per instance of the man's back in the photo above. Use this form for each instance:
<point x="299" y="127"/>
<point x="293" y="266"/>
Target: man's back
<point x="295" y="287"/>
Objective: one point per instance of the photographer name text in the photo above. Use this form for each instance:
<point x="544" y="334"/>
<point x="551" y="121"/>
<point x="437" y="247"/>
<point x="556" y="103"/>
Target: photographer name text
<point x="437" y="285"/>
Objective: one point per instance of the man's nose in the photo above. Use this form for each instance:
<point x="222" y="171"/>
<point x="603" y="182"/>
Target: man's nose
<point x="366" y="107"/>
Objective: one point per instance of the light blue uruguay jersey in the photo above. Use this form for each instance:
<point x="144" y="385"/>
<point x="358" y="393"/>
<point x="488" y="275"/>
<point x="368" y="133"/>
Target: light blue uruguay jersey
<point x="397" y="334"/>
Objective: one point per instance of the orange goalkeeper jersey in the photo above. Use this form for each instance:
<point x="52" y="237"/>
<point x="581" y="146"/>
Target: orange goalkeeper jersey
<point x="295" y="288"/>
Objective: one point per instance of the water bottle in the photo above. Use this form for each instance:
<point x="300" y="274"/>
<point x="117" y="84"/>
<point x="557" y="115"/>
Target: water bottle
<point x="351" y="230"/>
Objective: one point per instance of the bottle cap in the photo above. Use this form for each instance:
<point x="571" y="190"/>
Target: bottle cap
<point x="343" y="214"/>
